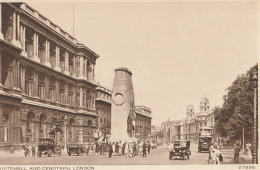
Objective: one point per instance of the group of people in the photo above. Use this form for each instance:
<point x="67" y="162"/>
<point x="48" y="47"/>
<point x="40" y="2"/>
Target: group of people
<point x="130" y="149"/>
<point x="30" y="150"/>
<point x="215" y="156"/>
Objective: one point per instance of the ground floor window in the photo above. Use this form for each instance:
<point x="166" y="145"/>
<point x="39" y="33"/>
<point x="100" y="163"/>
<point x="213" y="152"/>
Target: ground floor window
<point x="5" y="124"/>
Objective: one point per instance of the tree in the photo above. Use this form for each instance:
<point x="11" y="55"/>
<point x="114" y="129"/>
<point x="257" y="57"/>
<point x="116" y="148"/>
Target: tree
<point x="237" y="110"/>
<point x="58" y="123"/>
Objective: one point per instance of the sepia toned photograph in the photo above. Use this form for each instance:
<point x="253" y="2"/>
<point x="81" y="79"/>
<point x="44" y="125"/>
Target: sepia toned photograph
<point x="91" y="83"/>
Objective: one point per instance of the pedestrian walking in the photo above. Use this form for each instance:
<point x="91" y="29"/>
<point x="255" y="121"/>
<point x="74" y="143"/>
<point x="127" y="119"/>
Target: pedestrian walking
<point x="236" y="153"/>
<point x="144" y="149"/>
<point x="130" y="150"/>
<point x="126" y="149"/>
<point x="120" y="146"/>
<point x="116" y="148"/>
<point x="110" y="150"/>
<point x="148" y="147"/>
<point x="123" y="148"/>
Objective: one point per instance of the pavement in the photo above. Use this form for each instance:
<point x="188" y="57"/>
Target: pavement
<point x="229" y="154"/>
<point x="159" y="156"/>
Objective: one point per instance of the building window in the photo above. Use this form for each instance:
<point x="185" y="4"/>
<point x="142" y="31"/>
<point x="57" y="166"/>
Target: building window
<point x="42" y="126"/>
<point x="28" y="82"/>
<point x="84" y="99"/>
<point x="62" y="92"/>
<point x="52" y="89"/>
<point x="89" y="123"/>
<point x="52" y="54"/>
<point x="5" y="125"/>
<point x="71" y="95"/>
<point x="41" y="86"/>
<point x="71" y="70"/>
<point x="62" y="60"/>
<point x="30" y="118"/>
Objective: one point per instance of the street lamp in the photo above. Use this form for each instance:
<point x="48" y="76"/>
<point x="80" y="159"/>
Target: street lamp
<point x="65" y="133"/>
<point x="254" y="83"/>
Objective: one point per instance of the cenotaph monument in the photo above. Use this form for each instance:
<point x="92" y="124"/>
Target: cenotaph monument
<point x="122" y="115"/>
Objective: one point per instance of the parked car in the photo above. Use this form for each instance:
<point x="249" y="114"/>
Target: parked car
<point x="47" y="146"/>
<point x="73" y="149"/>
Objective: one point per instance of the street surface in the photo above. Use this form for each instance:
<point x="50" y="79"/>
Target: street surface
<point x="158" y="156"/>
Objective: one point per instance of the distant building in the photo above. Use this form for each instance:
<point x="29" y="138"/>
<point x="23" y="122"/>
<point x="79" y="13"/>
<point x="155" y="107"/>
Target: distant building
<point x="103" y="107"/>
<point x="143" y="122"/>
<point x="189" y="128"/>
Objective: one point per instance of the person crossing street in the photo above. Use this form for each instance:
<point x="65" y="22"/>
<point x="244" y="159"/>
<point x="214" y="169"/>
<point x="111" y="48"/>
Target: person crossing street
<point x="144" y="149"/>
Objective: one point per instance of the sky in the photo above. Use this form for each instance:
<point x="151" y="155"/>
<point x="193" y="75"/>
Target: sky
<point x="178" y="52"/>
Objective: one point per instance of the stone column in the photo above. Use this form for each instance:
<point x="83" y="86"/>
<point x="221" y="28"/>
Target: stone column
<point x="80" y="96"/>
<point x="1" y="85"/>
<point x="81" y="76"/>
<point x="74" y="66"/>
<point x="66" y="63"/>
<point x="1" y="122"/>
<point x="47" y="53"/>
<point x="18" y="30"/>
<point x="24" y="131"/>
<point x="1" y="34"/>
<point x="23" y="40"/>
<point x="57" y="66"/>
<point x="35" y="47"/>
<point x="14" y="29"/>
<point x="86" y="69"/>
<point x="18" y="75"/>
<point x="16" y="125"/>
<point x="22" y="71"/>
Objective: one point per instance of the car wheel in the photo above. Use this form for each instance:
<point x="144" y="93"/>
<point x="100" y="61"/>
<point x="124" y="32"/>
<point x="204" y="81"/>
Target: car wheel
<point x="170" y="156"/>
<point x="39" y="154"/>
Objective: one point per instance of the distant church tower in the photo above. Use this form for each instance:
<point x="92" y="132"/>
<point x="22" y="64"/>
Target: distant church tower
<point x="204" y="105"/>
<point x="190" y="112"/>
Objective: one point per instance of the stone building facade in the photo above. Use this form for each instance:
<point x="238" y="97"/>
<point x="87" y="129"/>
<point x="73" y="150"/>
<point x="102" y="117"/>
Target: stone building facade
<point x="143" y="122"/>
<point x="103" y="107"/>
<point x="189" y="128"/>
<point x="44" y="73"/>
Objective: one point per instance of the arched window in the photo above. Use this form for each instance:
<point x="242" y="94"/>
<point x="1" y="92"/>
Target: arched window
<point x="71" y="122"/>
<point x="5" y="124"/>
<point x="89" y="123"/>
<point x="42" y="125"/>
<point x="30" y="118"/>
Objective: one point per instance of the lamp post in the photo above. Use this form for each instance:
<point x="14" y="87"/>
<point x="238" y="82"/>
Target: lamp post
<point x="254" y="83"/>
<point x="65" y="134"/>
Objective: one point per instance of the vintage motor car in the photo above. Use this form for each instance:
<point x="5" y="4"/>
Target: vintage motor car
<point x="73" y="149"/>
<point x="48" y="147"/>
<point x="180" y="149"/>
<point x="204" y="143"/>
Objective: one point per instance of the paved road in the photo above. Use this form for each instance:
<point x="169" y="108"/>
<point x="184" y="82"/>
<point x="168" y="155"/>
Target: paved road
<point x="158" y="156"/>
